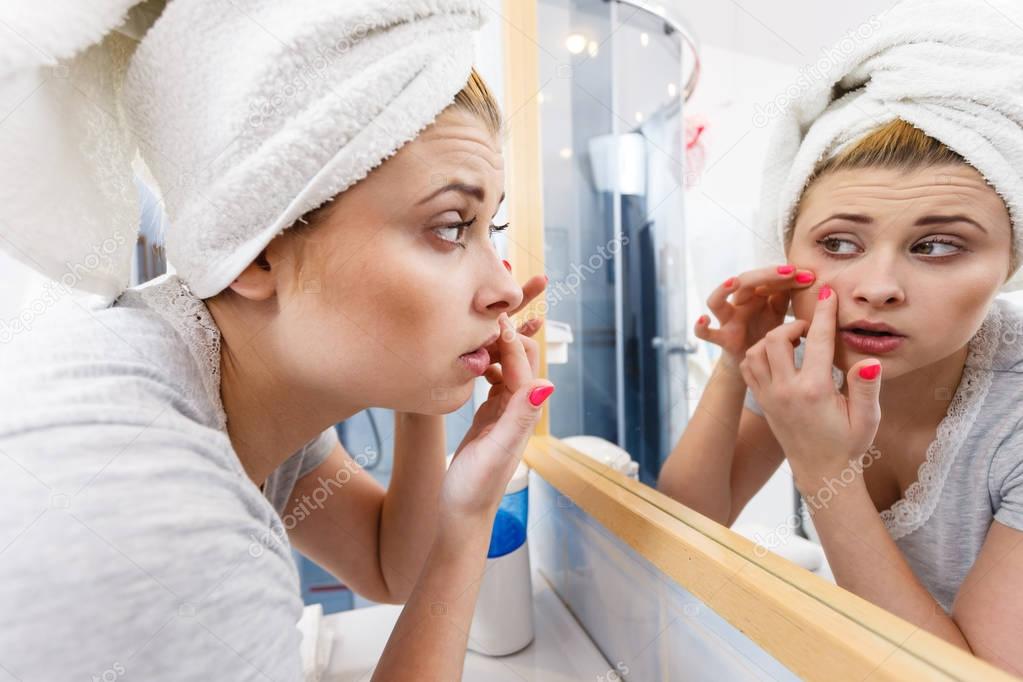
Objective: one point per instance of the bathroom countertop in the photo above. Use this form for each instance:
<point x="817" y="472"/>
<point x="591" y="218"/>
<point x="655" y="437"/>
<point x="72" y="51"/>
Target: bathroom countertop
<point x="561" y="650"/>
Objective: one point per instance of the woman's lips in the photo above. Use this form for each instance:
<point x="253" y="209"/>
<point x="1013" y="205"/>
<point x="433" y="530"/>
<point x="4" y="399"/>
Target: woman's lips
<point x="476" y="361"/>
<point x="871" y="345"/>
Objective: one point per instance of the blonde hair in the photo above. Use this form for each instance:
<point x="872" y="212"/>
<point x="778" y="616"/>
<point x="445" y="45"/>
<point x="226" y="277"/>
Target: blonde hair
<point x="477" y="99"/>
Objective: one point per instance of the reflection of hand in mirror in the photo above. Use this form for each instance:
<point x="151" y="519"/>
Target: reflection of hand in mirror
<point x="819" y="429"/>
<point x="759" y="300"/>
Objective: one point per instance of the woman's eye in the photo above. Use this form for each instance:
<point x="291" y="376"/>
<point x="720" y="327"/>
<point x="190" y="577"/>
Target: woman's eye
<point x="835" y="245"/>
<point x="452" y="233"/>
<point x="937" y="248"/>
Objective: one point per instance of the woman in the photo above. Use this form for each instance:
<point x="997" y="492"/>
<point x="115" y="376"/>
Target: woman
<point x="335" y="255"/>
<point x="899" y="413"/>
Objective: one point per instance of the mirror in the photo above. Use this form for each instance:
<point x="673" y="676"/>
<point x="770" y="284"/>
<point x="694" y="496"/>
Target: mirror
<point x="640" y="185"/>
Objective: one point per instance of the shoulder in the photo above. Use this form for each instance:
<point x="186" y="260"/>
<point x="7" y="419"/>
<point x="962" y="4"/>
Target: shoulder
<point x="1006" y="335"/>
<point x="160" y="548"/>
<point x="103" y="357"/>
<point x="996" y="361"/>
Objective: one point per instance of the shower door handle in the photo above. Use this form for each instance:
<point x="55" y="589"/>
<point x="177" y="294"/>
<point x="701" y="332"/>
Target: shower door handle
<point x="673" y="346"/>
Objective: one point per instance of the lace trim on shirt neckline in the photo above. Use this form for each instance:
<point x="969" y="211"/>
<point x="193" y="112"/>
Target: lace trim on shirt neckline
<point x="174" y="301"/>
<point x="921" y="497"/>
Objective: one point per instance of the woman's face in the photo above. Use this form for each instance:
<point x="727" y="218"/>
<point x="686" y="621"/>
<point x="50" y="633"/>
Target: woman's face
<point x="923" y="251"/>
<point x="399" y="278"/>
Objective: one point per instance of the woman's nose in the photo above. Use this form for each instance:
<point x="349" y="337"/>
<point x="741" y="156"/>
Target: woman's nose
<point x="877" y="283"/>
<point x="499" y="292"/>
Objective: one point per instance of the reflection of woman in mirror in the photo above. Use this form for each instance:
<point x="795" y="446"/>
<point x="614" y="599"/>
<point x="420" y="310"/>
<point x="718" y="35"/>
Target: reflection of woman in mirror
<point x="899" y="203"/>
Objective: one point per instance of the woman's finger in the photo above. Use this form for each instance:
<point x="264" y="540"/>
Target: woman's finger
<point x="507" y="439"/>
<point x="769" y="280"/>
<point x="493" y="374"/>
<point x="756" y="362"/>
<point x="819" y="357"/>
<point x="779" y="302"/>
<point x="532" y="349"/>
<point x="779" y="344"/>
<point x="515" y="366"/>
<point x="533" y="287"/>
<point x="527" y="328"/>
<point x="718" y="300"/>
<point x="531" y="326"/>
<point x="703" y="331"/>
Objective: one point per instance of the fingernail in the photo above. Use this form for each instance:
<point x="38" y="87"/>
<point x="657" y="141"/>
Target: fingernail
<point x="804" y="277"/>
<point x="507" y="265"/>
<point x="786" y="269"/>
<point x="507" y="328"/>
<point x="729" y="282"/>
<point x="540" y="394"/>
<point x="703" y="319"/>
<point x="870" y="372"/>
<point x="824" y="293"/>
<point x="546" y="279"/>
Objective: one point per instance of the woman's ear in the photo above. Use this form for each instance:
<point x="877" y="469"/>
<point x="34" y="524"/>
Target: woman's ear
<point x="256" y="282"/>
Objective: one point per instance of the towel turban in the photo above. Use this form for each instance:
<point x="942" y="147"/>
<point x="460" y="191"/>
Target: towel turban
<point x="250" y="113"/>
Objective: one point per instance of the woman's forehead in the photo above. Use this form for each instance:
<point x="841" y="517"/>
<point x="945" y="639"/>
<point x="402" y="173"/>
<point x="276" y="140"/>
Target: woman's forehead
<point x="957" y="188"/>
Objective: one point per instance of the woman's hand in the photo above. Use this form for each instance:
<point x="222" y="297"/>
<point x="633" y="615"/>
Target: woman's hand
<point x="819" y="429"/>
<point x="488" y="455"/>
<point x="533" y="287"/>
<point x="760" y="299"/>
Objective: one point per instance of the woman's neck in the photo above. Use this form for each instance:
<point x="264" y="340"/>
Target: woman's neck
<point x="269" y="416"/>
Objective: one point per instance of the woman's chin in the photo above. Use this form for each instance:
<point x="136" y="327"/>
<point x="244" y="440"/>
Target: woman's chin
<point x="447" y="399"/>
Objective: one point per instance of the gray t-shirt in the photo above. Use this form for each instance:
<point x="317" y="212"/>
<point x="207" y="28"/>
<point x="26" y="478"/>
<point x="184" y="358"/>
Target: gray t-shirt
<point x="973" y="473"/>
<point x="133" y="544"/>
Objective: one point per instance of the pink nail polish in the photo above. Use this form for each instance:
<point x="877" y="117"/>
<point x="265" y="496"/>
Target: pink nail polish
<point x="703" y="319"/>
<point x="540" y="394"/>
<point x="804" y="278"/>
<point x="546" y="279"/>
<point x="786" y="269"/>
<point x="729" y="282"/>
<point x="824" y="293"/>
<point x="507" y="265"/>
<point x="870" y="372"/>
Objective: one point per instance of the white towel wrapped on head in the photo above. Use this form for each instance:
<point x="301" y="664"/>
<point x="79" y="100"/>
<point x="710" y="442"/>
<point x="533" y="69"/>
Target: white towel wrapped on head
<point x="952" y="68"/>
<point x="251" y="113"/>
<point x="68" y="205"/>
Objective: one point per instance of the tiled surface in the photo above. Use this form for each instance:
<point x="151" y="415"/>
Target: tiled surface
<point x="649" y="628"/>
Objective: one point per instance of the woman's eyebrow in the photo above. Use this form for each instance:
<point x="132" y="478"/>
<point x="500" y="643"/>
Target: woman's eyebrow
<point x="474" y="191"/>
<point x="923" y="221"/>
<point x="851" y="217"/>
<point x="945" y="219"/>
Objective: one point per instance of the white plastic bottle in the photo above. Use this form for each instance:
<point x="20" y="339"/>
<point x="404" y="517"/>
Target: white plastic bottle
<point x="503" y="622"/>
